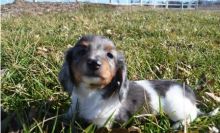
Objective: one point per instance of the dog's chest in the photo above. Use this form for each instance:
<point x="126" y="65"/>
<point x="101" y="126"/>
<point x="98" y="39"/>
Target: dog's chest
<point x="97" y="110"/>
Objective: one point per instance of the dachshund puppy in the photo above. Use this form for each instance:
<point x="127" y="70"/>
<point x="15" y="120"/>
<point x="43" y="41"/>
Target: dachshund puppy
<point x="94" y="74"/>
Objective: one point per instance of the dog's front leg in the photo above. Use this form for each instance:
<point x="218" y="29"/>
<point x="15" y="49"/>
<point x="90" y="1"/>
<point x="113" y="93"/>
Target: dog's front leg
<point x="70" y="115"/>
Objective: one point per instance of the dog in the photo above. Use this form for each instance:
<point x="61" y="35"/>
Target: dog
<point x="94" y="73"/>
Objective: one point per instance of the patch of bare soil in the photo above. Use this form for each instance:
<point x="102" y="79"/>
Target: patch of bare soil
<point x="37" y="8"/>
<point x="21" y="7"/>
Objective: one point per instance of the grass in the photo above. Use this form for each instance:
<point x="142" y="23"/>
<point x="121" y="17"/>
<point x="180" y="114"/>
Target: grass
<point x="158" y="44"/>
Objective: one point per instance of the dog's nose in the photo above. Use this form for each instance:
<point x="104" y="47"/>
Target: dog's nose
<point x="93" y="64"/>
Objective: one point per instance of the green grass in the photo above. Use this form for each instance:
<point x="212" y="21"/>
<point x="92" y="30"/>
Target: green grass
<point x="158" y="44"/>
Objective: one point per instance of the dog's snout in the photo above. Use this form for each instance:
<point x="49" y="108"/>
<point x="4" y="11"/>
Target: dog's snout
<point x="93" y="64"/>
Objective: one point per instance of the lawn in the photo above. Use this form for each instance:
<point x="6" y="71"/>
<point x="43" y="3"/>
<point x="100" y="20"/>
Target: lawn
<point x="158" y="44"/>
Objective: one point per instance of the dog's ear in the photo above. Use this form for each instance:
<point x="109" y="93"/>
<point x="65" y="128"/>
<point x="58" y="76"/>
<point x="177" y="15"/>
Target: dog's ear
<point x="65" y="77"/>
<point x="119" y="84"/>
<point x="121" y="76"/>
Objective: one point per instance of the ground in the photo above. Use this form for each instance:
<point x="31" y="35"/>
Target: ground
<point x="158" y="44"/>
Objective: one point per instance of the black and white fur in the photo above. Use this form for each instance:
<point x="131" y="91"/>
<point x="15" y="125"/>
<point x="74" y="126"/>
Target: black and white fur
<point x="120" y="98"/>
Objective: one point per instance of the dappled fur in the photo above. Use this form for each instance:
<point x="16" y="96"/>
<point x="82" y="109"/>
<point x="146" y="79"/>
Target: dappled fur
<point x="95" y="101"/>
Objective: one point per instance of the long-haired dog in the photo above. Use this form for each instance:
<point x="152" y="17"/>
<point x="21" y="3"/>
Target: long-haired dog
<point x="94" y="74"/>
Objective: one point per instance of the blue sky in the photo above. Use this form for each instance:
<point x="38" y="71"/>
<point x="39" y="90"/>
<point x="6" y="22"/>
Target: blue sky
<point x="6" y="1"/>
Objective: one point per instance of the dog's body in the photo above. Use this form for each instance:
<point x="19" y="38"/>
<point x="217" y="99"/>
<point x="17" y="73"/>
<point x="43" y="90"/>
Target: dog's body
<point x="94" y="74"/>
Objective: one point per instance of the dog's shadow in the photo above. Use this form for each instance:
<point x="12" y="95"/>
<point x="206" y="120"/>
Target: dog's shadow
<point x="33" y="119"/>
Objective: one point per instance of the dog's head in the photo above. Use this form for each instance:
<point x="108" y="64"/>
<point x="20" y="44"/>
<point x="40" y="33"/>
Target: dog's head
<point x="95" y="64"/>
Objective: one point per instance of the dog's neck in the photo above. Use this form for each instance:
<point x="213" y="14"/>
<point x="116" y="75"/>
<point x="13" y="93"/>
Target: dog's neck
<point x="84" y="90"/>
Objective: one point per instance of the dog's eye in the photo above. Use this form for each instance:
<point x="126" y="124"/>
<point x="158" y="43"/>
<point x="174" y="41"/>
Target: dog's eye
<point x="110" y="55"/>
<point x="82" y="52"/>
